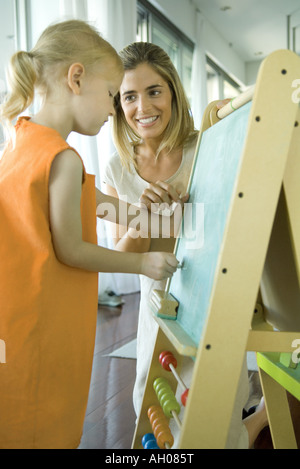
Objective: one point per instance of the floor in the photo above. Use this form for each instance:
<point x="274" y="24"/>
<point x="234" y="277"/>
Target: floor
<point x="110" y="418"/>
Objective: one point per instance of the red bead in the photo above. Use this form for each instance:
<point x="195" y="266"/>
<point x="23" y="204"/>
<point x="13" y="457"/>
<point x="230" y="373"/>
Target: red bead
<point x="161" y="356"/>
<point x="184" y="396"/>
<point x="167" y="360"/>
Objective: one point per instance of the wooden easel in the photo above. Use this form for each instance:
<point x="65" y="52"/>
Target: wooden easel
<point x="265" y="195"/>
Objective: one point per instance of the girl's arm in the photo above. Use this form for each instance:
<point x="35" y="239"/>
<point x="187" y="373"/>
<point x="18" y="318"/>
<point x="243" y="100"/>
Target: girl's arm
<point x="139" y="217"/>
<point x="66" y="229"/>
<point x="124" y="239"/>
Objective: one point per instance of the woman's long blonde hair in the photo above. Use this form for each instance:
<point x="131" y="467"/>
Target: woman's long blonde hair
<point x="46" y="65"/>
<point x="181" y="126"/>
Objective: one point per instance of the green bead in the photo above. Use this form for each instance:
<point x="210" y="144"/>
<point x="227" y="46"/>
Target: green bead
<point x="165" y="397"/>
<point x="159" y="382"/>
<point x="160" y="393"/>
<point x="169" y="406"/>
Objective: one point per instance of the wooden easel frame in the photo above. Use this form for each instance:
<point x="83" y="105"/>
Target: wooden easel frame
<point x="270" y="161"/>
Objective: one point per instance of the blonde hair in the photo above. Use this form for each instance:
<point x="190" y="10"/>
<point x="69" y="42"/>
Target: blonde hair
<point x="181" y="125"/>
<point x="59" y="46"/>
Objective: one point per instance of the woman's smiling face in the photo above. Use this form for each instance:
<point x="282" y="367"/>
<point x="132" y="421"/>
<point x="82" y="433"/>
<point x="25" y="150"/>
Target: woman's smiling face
<point x="146" y="100"/>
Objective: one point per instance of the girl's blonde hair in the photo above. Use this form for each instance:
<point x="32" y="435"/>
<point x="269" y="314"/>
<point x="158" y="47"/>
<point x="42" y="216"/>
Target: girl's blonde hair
<point x="181" y="125"/>
<point x="59" y="46"/>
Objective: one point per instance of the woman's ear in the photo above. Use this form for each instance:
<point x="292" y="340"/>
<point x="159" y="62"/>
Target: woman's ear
<point x="75" y="75"/>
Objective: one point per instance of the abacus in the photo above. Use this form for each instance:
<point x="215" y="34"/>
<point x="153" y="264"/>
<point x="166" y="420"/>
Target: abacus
<point x="169" y="407"/>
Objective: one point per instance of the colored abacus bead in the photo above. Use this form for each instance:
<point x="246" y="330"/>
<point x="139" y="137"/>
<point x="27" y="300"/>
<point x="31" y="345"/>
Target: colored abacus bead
<point x="170" y="406"/>
<point x="160" y="382"/>
<point x="156" y="415"/>
<point x="184" y="397"/>
<point x="165" y="438"/>
<point x="151" y="444"/>
<point x="162" y="354"/>
<point x="160" y="427"/>
<point x="149" y="441"/>
<point x="148" y="437"/>
<point x="166" y="397"/>
<point x="166" y="359"/>
<point x="161" y="419"/>
<point x="169" y="363"/>
<point x="153" y="408"/>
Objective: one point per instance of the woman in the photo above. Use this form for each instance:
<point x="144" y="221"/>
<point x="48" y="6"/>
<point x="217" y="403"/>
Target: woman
<point x="155" y="138"/>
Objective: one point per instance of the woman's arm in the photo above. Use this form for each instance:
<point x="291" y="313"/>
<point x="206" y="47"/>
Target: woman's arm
<point x="66" y="229"/>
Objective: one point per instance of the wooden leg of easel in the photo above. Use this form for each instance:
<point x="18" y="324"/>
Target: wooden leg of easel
<point x="278" y="410"/>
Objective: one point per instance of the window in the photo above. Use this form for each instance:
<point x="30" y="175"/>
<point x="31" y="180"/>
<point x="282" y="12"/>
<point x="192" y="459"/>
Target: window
<point x="213" y="83"/>
<point x="219" y="84"/>
<point x="154" y="27"/>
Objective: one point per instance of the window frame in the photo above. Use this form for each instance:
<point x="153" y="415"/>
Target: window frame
<point x="222" y="78"/>
<point x="147" y="14"/>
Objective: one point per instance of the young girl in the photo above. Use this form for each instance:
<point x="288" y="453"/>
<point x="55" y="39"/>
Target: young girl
<point x="49" y="255"/>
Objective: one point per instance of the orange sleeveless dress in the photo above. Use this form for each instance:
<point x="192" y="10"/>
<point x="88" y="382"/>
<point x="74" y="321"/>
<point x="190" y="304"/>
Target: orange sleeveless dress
<point x="48" y="310"/>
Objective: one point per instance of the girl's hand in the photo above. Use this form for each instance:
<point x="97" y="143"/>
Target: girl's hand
<point x="158" y="265"/>
<point x="162" y="195"/>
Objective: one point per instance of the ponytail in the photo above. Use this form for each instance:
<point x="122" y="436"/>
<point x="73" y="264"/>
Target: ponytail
<point x="21" y="79"/>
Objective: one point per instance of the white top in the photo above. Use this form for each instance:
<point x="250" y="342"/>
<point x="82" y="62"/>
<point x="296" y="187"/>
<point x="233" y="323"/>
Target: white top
<point x="130" y="185"/>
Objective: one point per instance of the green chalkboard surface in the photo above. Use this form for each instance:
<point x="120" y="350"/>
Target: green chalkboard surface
<point x="213" y="182"/>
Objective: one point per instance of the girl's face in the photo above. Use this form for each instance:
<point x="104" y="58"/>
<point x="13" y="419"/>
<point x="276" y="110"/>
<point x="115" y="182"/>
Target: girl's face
<point x="96" y="103"/>
<point x="146" y="100"/>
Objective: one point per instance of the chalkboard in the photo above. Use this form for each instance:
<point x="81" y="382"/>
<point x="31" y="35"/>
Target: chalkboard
<point x="212" y="185"/>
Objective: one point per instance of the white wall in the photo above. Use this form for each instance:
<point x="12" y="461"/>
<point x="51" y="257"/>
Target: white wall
<point x="251" y="71"/>
<point x="7" y="38"/>
<point x="46" y="12"/>
<point x="182" y="14"/>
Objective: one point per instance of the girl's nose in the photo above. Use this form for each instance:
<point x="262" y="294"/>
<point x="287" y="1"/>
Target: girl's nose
<point x="112" y="110"/>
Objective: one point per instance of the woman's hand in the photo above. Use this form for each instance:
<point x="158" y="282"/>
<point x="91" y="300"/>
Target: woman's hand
<point x="222" y="103"/>
<point x="161" y="195"/>
<point x="158" y="265"/>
